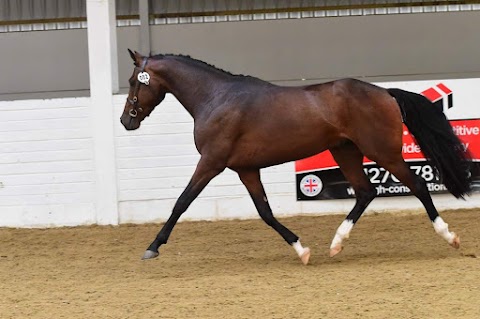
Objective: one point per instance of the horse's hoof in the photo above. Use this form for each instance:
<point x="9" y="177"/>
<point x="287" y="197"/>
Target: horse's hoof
<point x="335" y="250"/>
<point x="150" y="254"/>
<point x="305" y="256"/>
<point x="456" y="242"/>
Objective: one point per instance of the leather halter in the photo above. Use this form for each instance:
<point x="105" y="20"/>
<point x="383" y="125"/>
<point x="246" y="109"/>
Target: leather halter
<point x="134" y="101"/>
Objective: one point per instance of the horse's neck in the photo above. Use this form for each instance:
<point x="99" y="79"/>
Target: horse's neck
<point x="192" y="85"/>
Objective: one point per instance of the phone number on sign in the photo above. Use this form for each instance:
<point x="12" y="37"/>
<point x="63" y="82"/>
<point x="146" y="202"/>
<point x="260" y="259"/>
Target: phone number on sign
<point x="379" y="175"/>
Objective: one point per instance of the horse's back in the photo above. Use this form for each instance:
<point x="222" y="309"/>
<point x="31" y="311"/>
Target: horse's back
<point x="269" y="125"/>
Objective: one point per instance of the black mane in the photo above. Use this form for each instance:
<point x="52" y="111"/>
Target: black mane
<point x="198" y="62"/>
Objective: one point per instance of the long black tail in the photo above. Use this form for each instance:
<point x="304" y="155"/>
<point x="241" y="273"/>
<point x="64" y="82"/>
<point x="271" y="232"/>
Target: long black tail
<point x="437" y="140"/>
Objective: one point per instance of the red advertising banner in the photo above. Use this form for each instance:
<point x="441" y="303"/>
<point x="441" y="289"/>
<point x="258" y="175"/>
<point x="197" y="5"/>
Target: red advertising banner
<point x="319" y="177"/>
<point x="467" y="130"/>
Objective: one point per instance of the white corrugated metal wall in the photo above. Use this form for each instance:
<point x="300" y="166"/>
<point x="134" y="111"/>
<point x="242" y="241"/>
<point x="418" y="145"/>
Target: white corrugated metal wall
<point x="46" y="161"/>
<point x="47" y="179"/>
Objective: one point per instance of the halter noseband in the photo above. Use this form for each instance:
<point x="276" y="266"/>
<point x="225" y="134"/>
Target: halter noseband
<point x="142" y="77"/>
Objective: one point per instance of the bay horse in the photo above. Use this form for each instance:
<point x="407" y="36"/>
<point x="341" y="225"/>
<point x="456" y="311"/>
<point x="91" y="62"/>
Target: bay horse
<point x="247" y="124"/>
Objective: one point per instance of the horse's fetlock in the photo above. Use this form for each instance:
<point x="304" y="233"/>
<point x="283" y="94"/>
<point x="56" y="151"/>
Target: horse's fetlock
<point x="161" y="239"/>
<point x="440" y="225"/>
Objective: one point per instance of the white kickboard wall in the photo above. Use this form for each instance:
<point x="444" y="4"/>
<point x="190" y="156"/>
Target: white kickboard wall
<point x="47" y="167"/>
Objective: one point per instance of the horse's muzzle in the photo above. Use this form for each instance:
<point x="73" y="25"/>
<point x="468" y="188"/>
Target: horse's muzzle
<point x="130" y="123"/>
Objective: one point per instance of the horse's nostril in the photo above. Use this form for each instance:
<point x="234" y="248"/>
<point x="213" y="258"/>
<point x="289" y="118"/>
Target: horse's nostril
<point x="133" y="113"/>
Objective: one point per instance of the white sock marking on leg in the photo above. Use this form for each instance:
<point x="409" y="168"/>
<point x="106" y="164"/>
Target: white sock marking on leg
<point x="441" y="228"/>
<point x="343" y="232"/>
<point x="298" y="248"/>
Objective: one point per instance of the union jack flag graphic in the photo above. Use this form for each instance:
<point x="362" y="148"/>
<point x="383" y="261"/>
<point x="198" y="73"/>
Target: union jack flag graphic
<point x="311" y="185"/>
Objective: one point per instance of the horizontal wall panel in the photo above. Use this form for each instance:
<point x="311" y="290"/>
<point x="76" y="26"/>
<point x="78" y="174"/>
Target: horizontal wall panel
<point x="83" y="197"/>
<point x="41" y="135"/>
<point x="46" y="163"/>
<point x="45" y="189"/>
<point x="52" y="156"/>
<point x="45" y="145"/>
<point x="41" y="124"/>
<point x="53" y="166"/>
<point x="47" y="178"/>
<point x="48" y="215"/>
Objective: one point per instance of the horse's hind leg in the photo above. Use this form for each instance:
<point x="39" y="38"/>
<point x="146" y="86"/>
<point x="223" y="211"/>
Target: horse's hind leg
<point x="418" y="187"/>
<point x="350" y="160"/>
<point x="251" y="179"/>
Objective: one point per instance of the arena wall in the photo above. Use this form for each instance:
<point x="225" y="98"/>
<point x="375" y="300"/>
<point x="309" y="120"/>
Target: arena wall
<point x="156" y="162"/>
<point x="48" y="168"/>
<point x="46" y="161"/>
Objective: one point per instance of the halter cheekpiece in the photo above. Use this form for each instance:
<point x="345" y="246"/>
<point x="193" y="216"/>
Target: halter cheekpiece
<point x="142" y="77"/>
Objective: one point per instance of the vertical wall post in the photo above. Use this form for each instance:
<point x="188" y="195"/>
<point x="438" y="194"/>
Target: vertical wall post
<point x="143" y="11"/>
<point x="103" y="67"/>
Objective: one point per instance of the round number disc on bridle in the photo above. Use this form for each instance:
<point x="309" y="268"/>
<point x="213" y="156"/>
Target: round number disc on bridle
<point x="143" y="77"/>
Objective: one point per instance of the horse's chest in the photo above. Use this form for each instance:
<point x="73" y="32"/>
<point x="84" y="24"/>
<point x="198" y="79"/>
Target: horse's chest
<point x="215" y="135"/>
<point x="208" y="140"/>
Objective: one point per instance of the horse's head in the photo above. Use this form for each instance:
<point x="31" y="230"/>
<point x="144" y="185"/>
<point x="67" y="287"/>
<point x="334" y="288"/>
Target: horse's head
<point x="146" y="91"/>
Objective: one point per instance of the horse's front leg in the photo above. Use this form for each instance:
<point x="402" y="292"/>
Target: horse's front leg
<point x="203" y="174"/>
<point x="251" y="179"/>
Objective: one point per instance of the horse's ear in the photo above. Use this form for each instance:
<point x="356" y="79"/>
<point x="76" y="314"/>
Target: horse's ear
<point x="136" y="57"/>
<point x="132" y="55"/>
